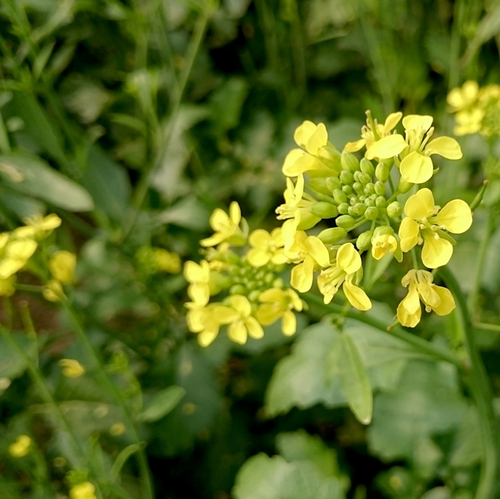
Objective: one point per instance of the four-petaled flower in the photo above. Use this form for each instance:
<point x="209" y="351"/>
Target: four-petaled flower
<point x="384" y="241"/>
<point x="426" y="223"/>
<point x="243" y="324"/>
<point x="421" y="287"/>
<point x="344" y="272"/>
<point x="266" y="247"/>
<point x="198" y="277"/>
<point x="226" y="227"/>
<point x="279" y="304"/>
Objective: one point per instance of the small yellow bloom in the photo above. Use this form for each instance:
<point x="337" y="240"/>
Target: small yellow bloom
<point x="309" y="252"/>
<point x="38" y="226"/>
<point x="279" y="304"/>
<point x="243" y="324"/>
<point x="199" y="278"/>
<point x="421" y="287"/>
<point x="62" y="266"/>
<point x="117" y="429"/>
<point x="461" y="98"/>
<point x="266" y="248"/>
<point x="17" y="253"/>
<point x="20" y="447"/>
<point x="384" y="241"/>
<point x="71" y="368"/>
<point x="345" y="270"/>
<point x="226" y="227"/>
<point x="167" y="261"/>
<point x="85" y="490"/>
<point x="426" y="223"/>
<point x="53" y="291"/>
<point x="316" y="153"/>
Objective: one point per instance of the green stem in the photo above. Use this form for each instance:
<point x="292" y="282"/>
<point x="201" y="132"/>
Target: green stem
<point x="420" y="344"/>
<point x="483" y="326"/>
<point x="480" y="387"/>
<point x="106" y="381"/>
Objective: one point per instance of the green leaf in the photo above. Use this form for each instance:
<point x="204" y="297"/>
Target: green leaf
<point x="354" y="379"/>
<point x="264" y="477"/>
<point x="226" y="104"/>
<point x="21" y="206"/>
<point x="162" y="403"/>
<point x="31" y="175"/>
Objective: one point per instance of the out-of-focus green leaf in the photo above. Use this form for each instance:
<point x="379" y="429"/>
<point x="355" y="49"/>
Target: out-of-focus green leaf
<point x="354" y="379"/>
<point x="12" y="364"/>
<point x="31" y="175"/>
<point x="226" y="104"/>
<point x="162" y="403"/>
<point x="21" y="206"/>
<point x="264" y="477"/>
<point x="427" y="402"/>
<point x="467" y="447"/>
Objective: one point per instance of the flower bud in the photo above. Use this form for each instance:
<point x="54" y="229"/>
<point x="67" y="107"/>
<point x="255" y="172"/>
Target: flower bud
<point x="323" y="209"/>
<point x="333" y="235"/>
<point x="333" y="183"/>
<point x="380" y="202"/>
<point x="382" y="172"/>
<point x="379" y="188"/>
<point x="395" y="209"/>
<point x="237" y="289"/>
<point x="404" y="185"/>
<point x="364" y="178"/>
<point x="364" y="240"/>
<point x="347" y="189"/>
<point x="339" y="196"/>
<point x="359" y="209"/>
<point x="343" y="208"/>
<point x="369" y="188"/>
<point x="371" y="213"/>
<point x="346" y="177"/>
<point x="367" y="167"/>
<point x="346" y="222"/>
<point x="349" y="162"/>
<point x="319" y="184"/>
<point x="358" y="187"/>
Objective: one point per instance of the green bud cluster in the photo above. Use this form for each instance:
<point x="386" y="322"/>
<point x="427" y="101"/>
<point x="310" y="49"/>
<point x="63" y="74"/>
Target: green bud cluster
<point x="244" y="279"/>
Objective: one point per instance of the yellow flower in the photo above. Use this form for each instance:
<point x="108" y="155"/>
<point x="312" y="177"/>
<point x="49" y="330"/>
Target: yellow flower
<point x="426" y="223"/>
<point x="345" y="270"/>
<point x="416" y="166"/>
<point x="207" y="320"/>
<point x="297" y="209"/>
<point x="7" y="287"/>
<point x="309" y="251"/>
<point x="279" y="304"/>
<point x="421" y="287"/>
<point x="199" y="278"/>
<point x="53" y="291"/>
<point x="266" y="248"/>
<point x="17" y="253"/>
<point x="468" y="122"/>
<point x="316" y="154"/>
<point x="38" y="226"/>
<point x="461" y="98"/>
<point x="20" y="447"/>
<point x="85" y="490"/>
<point x="226" y="227"/>
<point x="384" y="241"/>
<point x="243" y="324"/>
<point x="71" y="368"/>
<point x="167" y="261"/>
<point x="368" y="137"/>
<point x="62" y="266"/>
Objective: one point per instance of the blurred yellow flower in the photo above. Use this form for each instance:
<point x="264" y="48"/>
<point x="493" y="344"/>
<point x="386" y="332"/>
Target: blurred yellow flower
<point x="85" y="490"/>
<point x="7" y="286"/>
<point x="277" y="304"/>
<point x="16" y="253"/>
<point x="198" y="277"/>
<point x="167" y="261"/>
<point x="243" y="324"/>
<point x="53" y="291"/>
<point x="266" y="247"/>
<point x="426" y="223"/>
<point x="20" y="447"/>
<point x="62" y="266"/>
<point x="226" y="227"/>
<point x="421" y="287"/>
<point x="71" y="368"/>
<point x="38" y="226"/>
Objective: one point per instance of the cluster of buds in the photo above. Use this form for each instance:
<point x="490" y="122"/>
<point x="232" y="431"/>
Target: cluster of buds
<point x="477" y="109"/>
<point x="243" y="271"/>
<point x="359" y="201"/>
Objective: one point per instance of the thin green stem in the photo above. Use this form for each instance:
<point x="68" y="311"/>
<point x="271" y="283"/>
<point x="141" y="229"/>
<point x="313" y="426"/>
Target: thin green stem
<point x="106" y="381"/>
<point x="480" y="387"/>
<point x="420" y="344"/>
<point x="483" y="326"/>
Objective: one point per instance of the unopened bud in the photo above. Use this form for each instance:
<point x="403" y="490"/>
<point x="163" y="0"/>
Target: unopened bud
<point x="343" y="208"/>
<point x="367" y="167"/>
<point x="339" y="196"/>
<point x="318" y="184"/>
<point x="404" y="185"/>
<point x="379" y="188"/>
<point x="323" y="209"/>
<point x="394" y="210"/>
<point x="346" y="177"/>
<point x="380" y="202"/>
<point x="333" y="235"/>
<point x="364" y="240"/>
<point x="369" y="188"/>
<point x="349" y="162"/>
<point x="347" y="189"/>
<point x="237" y="289"/>
<point x="346" y="222"/>
<point x="382" y="172"/>
<point x="333" y="183"/>
<point x="371" y="213"/>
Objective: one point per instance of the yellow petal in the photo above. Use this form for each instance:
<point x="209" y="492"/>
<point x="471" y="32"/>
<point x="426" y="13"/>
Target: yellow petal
<point x="254" y="328"/>
<point x="207" y="337"/>
<point x="348" y="259"/>
<point x="428" y="293"/>
<point x="386" y="147"/>
<point x="444" y="146"/>
<point x="420" y="205"/>
<point x="303" y="133"/>
<point x="447" y="303"/>
<point x="416" y="168"/>
<point x="237" y="332"/>
<point x="258" y="257"/>
<point x="411" y="302"/>
<point x="456" y="216"/>
<point x="289" y="323"/>
<point x="436" y="252"/>
<point x="356" y="296"/>
<point x="295" y="300"/>
<point x="199" y="293"/>
<point x="223" y="315"/>
<point x="355" y="146"/>
<point x="302" y="275"/>
<point x="409" y="234"/>
<point x="317" y="140"/>
<point x="10" y="267"/>
<point x="391" y="121"/>
<point x="235" y="213"/>
<point x="271" y="295"/>
<point x="219" y="219"/>
<point x="417" y="122"/>
<point x="406" y="319"/>
<point x="268" y="314"/>
<point x="22" y="249"/>
<point x="197" y="273"/>
<point x="297" y="162"/>
<point x="318" y="251"/>
<point x="241" y="304"/>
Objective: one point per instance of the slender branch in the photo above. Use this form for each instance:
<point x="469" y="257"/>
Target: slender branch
<point x="480" y="387"/>
<point x="483" y="326"/>
<point x="420" y="344"/>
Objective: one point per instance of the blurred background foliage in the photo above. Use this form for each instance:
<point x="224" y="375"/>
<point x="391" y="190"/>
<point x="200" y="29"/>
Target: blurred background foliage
<point x="132" y="120"/>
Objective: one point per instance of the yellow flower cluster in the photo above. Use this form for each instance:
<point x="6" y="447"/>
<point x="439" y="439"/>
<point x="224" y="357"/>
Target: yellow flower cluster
<point x="18" y="246"/>
<point x="358" y="201"/>
<point x="84" y="490"/>
<point x="20" y="447"/>
<point x="477" y="109"/>
<point x="154" y="260"/>
<point x="253" y="294"/>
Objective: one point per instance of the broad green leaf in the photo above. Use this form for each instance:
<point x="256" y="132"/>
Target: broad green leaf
<point x="162" y="403"/>
<point x="22" y="206"/>
<point x="427" y="402"/>
<point x="264" y="477"/>
<point x="354" y="379"/>
<point x="31" y="175"/>
<point x="226" y="104"/>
